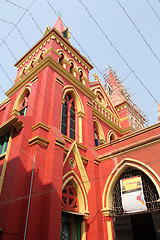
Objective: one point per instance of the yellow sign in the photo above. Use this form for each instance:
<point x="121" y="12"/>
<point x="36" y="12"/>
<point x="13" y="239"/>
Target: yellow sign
<point x="131" y="184"/>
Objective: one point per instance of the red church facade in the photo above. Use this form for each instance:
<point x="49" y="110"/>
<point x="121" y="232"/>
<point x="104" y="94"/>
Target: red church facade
<point x="65" y="144"/>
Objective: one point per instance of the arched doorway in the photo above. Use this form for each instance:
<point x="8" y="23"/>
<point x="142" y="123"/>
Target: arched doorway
<point x="138" y="225"/>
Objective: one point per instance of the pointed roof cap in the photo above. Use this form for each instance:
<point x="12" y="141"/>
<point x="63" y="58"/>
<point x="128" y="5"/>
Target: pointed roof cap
<point x="59" y="25"/>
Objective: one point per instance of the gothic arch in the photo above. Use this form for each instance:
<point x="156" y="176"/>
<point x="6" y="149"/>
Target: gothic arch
<point x="99" y="128"/>
<point x="81" y="69"/>
<point x="60" y="51"/>
<point x="78" y="185"/>
<point x="115" y="174"/>
<point x="73" y="91"/>
<point x="111" y="133"/>
<point x="20" y="97"/>
<point x="70" y="60"/>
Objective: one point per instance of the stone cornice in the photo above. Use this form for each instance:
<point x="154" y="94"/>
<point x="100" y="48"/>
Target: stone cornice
<point x="60" y="81"/>
<point x="38" y="140"/>
<point x="131" y="135"/>
<point x="49" y="61"/>
<point x="71" y="141"/>
<point x="59" y="142"/>
<point x="40" y="125"/>
<point x="6" y="101"/>
<point x="54" y="34"/>
<point x="131" y="147"/>
<point x="13" y="122"/>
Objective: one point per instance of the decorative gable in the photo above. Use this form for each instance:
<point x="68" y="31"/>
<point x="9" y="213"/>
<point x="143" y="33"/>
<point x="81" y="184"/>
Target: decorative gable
<point x="73" y="162"/>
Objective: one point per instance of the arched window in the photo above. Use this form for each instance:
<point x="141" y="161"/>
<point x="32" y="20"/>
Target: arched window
<point x="24" y="104"/>
<point x="71" y="68"/>
<point x="80" y="76"/>
<point x="61" y="59"/>
<point x="96" y="137"/>
<point x="71" y="223"/>
<point x="112" y="137"/>
<point x="68" y="117"/>
<point x="69" y="198"/>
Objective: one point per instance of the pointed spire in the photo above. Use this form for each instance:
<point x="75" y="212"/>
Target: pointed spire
<point x="63" y="31"/>
<point x="59" y="25"/>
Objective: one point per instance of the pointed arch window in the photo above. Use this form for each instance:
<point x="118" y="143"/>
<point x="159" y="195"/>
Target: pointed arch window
<point x="71" y="68"/>
<point x="80" y="76"/>
<point x="61" y="59"/>
<point x="68" y="117"/>
<point x="24" y="104"/>
<point x="96" y="136"/>
<point x="69" y="197"/>
<point x="112" y="137"/>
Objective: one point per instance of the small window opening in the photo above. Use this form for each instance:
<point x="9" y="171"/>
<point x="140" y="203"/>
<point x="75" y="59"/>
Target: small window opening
<point x="96" y="137"/>
<point x="24" y="105"/>
<point x="80" y="76"/>
<point x="4" y="142"/>
<point x="61" y="59"/>
<point x="112" y="137"/>
<point x="71" y="68"/>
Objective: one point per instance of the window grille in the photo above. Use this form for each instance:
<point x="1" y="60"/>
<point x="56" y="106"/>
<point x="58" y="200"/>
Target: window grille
<point x="149" y="190"/>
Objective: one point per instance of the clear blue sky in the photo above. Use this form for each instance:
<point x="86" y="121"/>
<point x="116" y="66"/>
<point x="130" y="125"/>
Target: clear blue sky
<point x="23" y="29"/>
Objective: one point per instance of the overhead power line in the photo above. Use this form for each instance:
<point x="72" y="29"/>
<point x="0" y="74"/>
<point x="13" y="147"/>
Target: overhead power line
<point x="144" y="39"/>
<point x="115" y="48"/>
<point x="153" y="10"/>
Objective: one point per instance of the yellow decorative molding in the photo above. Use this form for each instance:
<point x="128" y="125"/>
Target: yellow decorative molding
<point x="63" y="100"/>
<point x="7" y="101"/>
<point x="5" y="161"/>
<point x="38" y="140"/>
<point x="80" y="165"/>
<point x="14" y="112"/>
<point x="117" y="171"/>
<point x="40" y="125"/>
<point x="89" y="104"/>
<point x="109" y="230"/>
<point x="35" y="79"/>
<point x="52" y="35"/>
<point x="84" y="159"/>
<point x="107" y="212"/>
<point x="80" y="114"/>
<point x="99" y="128"/>
<point x="71" y="141"/>
<point x="96" y="161"/>
<point x="131" y="147"/>
<point x="60" y="143"/>
<point x="13" y="122"/>
<point x="80" y="190"/>
<point x="102" y="141"/>
<point x="60" y="81"/>
<point x="127" y="130"/>
<point x="131" y="135"/>
<point x="49" y="61"/>
<point x="124" y="119"/>
<point x="83" y="230"/>
<point x="100" y="116"/>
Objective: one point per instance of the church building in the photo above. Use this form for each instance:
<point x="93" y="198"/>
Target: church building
<point x="76" y="160"/>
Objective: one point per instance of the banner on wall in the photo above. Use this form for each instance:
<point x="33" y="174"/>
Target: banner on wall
<point x="132" y="194"/>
